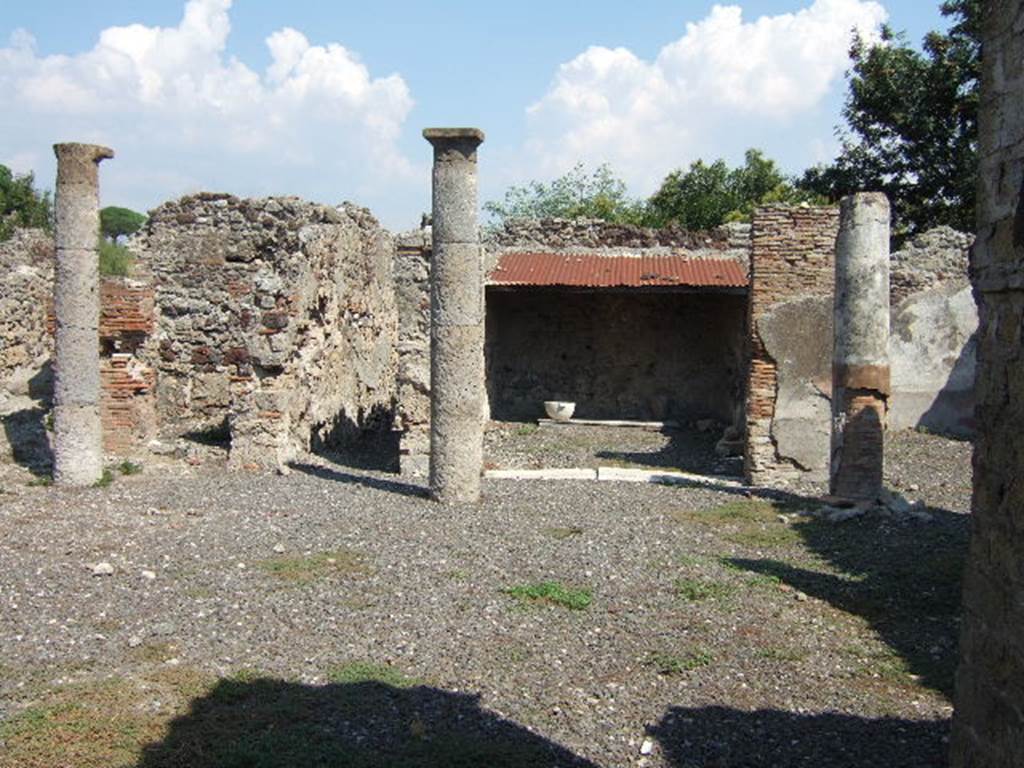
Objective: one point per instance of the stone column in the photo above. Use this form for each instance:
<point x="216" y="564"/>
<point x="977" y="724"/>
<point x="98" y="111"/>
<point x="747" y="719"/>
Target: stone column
<point x="860" y="357"/>
<point x="457" y="319"/>
<point x="78" y="440"/>
<point x="988" y="724"/>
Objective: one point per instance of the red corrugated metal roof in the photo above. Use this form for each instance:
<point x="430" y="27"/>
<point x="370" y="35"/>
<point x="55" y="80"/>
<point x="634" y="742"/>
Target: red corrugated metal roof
<point x="586" y="270"/>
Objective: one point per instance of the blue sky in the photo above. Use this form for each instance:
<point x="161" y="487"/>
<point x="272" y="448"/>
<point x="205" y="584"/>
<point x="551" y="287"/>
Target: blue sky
<point x="551" y="83"/>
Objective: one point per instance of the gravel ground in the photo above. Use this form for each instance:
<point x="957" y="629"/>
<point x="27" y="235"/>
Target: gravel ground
<point x="344" y="619"/>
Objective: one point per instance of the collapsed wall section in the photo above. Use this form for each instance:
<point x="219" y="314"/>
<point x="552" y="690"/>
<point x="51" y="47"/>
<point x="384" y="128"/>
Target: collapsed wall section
<point x="790" y="334"/>
<point x="275" y="320"/>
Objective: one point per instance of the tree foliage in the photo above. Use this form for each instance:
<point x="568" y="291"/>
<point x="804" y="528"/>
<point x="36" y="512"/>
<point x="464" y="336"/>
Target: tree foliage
<point x="576" y="195"/>
<point x="912" y="121"/>
<point x="706" y="196"/>
<point x="21" y="204"/>
<point x="118" y="222"/>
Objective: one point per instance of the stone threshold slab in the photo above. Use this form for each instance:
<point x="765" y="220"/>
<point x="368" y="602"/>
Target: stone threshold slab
<point x="610" y="423"/>
<point x="615" y="474"/>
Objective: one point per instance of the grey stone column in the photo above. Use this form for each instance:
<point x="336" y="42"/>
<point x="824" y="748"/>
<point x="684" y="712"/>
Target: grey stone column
<point x="78" y="439"/>
<point x="457" y="319"/>
<point x="860" y="358"/>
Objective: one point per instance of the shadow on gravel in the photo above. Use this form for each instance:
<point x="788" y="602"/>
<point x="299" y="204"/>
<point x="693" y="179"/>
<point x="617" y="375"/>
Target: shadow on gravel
<point x="368" y="481"/>
<point x="268" y="723"/>
<point x="686" y="449"/>
<point x="904" y="578"/>
<point x="26" y="433"/>
<point x="719" y="736"/>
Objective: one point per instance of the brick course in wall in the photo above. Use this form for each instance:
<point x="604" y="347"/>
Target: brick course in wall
<point x="127" y="382"/>
<point x="792" y="259"/>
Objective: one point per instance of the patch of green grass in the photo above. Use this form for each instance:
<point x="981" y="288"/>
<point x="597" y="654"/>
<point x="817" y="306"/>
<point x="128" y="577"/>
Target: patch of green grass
<point x="525" y="430"/>
<point x="302" y="569"/>
<point x="41" y="481"/>
<point x="105" y="479"/>
<point x="764" y="581"/>
<point x="566" y="532"/>
<point x="127" y="467"/>
<point x="770" y="535"/>
<point x="115" y="260"/>
<point x="694" y="590"/>
<point x="367" y="672"/>
<point x="669" y="664"/>
<point x="552" y="592"/>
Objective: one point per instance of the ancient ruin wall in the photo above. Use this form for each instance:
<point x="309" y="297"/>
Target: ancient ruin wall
<point x="26" y="262"/>
<point x="275" y="318"/>
<point x="988" y="725"/>
<point x="932" y="344"/>
<point x="27" y="326"/>
<point x="790" y="315"/>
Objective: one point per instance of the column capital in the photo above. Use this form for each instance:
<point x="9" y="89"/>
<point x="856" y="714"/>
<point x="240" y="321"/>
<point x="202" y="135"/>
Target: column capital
<point x="443" y="137"/>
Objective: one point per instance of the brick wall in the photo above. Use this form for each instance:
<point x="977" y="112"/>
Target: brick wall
<point x="792" y="265"/>
<point x="127" y="395"/>
<point x="988" y="726"/>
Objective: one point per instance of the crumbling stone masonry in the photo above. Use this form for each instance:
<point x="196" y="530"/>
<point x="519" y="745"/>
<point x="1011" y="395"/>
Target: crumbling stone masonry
<point x="458" y="394"/>
<point x="276" y="323"/>
<point x="790" y="315"/>
<point x="412" y="294"/>
<point x="988" y="724"/>
<point x="860" y="354"/>
<point x="78" y="449"/>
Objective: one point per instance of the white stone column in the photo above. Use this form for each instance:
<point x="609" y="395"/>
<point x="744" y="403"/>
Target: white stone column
<point x="78" y="439"/>
<point x="860" y="361"/>
<point x="457" y="393"/>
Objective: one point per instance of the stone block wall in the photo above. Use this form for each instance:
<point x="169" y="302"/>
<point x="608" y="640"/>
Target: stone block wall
<point x="988" y="724"/>
<point x="26" y="262"/>
<point x="412" y="294"/>
<point x="790" y="334"/>
<point x="275" y="319"/>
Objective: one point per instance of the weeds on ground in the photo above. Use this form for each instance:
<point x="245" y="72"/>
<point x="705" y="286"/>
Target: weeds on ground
<point x="552" y="592"/>
<point x="525" y="430"/>
<point x="368" y="672"/>
<point x="670" y="664"/>
<point x="127" y="467"/>
<point x="302" y="569"/>
<point x="105" y="479"/>
<point x="694" y="590"/>
<point x="560" y="532"/>
<point x="41" y="481"/>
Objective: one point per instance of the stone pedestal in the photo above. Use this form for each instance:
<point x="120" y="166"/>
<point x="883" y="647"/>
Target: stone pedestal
<point x="457" y="391"/>
<point x="860" y="357"/>
<point x="78" y="440"/>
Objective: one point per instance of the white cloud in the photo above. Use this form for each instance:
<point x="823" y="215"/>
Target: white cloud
<point x="726" y="80"/>
<point x="180" y="111"/>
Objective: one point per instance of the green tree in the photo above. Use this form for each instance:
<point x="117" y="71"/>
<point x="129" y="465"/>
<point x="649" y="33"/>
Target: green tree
<point x="118" y="222"/>
<point x="911" y="125"/>
<point x="21" y="204"/>
<point x="577" y="194"/>
<point x="706" y="196"/>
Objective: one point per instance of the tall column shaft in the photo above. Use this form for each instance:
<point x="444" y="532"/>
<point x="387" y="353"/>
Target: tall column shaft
<point x="860" y="362"/>
<point x="78" y="441"/>
<point x="457" y="392"/>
